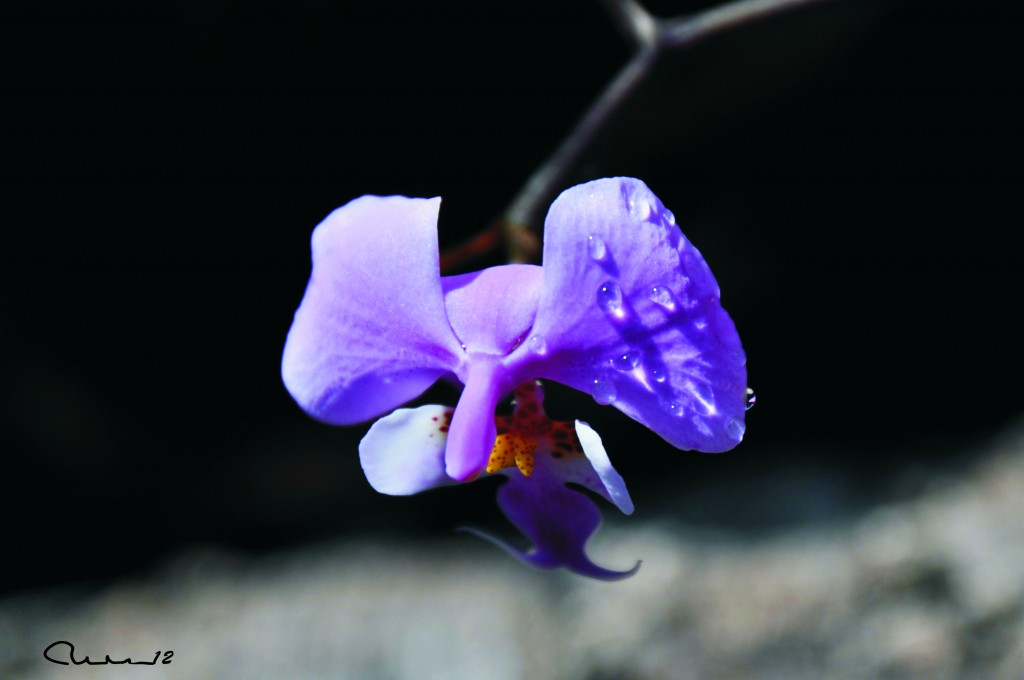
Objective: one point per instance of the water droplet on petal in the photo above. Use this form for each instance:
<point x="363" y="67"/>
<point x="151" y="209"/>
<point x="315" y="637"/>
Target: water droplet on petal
<point x="604" y="392"/>
<point x="657" y="375"/>
<point x="609" y="298"/>
<point x="669" y="217"/>
<point x="662" y="296"/>
<point x="597" y="249"/>
<point x="735" y="428"/>
<point x="538" y="345"/>
<point x="751" y="398"/>
<point x="640" y="208"/>
<point x="463" y="347"/>
<point x="627" y="361"/>
<point x="674" y="409"/>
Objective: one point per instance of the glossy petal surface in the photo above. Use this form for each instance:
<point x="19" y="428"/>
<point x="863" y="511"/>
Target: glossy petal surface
<point x="371" y="331"/>
<point x="638" y="322"/>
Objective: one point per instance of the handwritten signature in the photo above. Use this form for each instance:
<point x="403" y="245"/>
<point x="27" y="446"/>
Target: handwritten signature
<point x="106" y="660"/>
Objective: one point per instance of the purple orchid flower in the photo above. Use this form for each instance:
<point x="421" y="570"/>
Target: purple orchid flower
<point x="624" y="308"/>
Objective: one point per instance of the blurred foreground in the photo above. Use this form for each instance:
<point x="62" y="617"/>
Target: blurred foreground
<point x="930" y="588"/>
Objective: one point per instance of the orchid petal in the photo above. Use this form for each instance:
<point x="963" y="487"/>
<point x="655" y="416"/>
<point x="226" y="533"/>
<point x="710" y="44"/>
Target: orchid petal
<point x="371" y="331"/>
<point x="614" y="486"/>
<point x="403" y="453"/>
<point x="630" y="312"/>
<point x="557" y="520"/>
<point x="492" y="310"/>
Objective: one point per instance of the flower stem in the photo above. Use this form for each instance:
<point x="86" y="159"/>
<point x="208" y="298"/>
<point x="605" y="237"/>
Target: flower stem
<point x="524" y="211"/>
<point x="519" y="223"/>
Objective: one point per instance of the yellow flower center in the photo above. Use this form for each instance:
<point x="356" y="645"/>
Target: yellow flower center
<point x="512" y="449"/>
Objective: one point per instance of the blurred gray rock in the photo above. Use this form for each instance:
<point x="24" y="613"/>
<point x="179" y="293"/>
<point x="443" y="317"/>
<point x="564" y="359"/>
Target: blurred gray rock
<point x="930" y="588"/>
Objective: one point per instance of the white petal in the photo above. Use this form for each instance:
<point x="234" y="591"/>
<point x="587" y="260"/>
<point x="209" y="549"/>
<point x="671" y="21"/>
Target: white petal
<point x="598" y="457"/>
<point x="403" y="453"/>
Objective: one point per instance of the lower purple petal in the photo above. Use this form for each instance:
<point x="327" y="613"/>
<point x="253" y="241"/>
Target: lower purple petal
<point x="559" y="522"/>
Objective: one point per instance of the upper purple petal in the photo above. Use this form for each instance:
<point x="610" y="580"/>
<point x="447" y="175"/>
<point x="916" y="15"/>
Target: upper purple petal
<point x="630" y="312"/>
<point x="371" y="331"/>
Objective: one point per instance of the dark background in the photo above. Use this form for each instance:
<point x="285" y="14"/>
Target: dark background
<point x="851" y="173"/>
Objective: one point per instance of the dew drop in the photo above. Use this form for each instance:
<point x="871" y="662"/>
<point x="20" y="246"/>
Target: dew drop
<point x="609" y="298"/>
<point x="751" y="399"/>
<point x="669" y="217"/>
<point x="640" y="208"/>
<point x="657" y="375"/>
<point x="603" y="391"/>
<point x="674" y="408"/>
<point x="663" y="297"/>
<point x="626" y="361"/>
<point x="735" y="428"/>
<point x="597" y="249"/>
<point x="463" y="347"/>
<point x="538" y="345"/>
